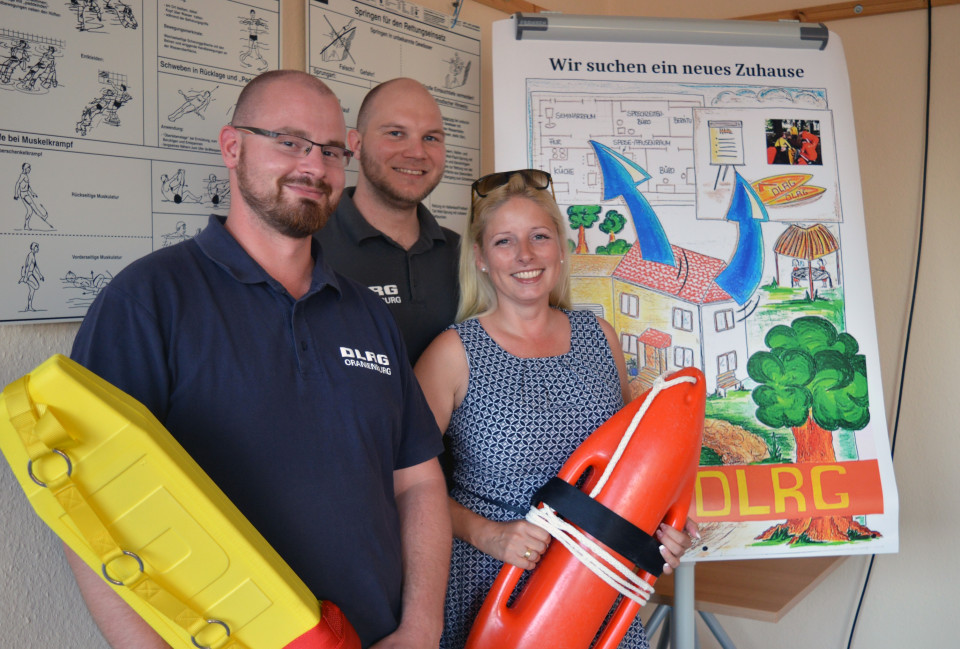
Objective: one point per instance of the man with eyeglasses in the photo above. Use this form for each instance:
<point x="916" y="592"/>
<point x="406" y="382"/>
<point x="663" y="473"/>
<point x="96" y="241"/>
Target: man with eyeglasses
<point x="285" y="381"/>
<point x="382" y="235"/>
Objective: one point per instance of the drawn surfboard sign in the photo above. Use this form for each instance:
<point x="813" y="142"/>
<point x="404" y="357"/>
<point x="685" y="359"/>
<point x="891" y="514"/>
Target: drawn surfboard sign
<point x="786" y="189"/>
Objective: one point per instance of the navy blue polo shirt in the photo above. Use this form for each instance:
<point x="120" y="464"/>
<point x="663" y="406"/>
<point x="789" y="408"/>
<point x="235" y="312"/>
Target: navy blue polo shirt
<point x="300" y="410"/>
<point x="420" y="285"/>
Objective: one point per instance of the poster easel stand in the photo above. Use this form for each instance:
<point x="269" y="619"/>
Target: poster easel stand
<point x="679" y="620"/>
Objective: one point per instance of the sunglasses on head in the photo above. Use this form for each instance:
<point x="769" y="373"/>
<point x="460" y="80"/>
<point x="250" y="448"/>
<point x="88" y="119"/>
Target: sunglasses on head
<point x="534" y="178"/>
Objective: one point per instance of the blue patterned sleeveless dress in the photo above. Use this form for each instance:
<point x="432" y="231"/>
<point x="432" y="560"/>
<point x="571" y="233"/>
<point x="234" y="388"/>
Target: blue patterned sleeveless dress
<point x="519" y="421"/>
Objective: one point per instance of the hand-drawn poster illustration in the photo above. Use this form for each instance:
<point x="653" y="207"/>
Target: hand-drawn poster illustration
<point x="715" y="218"/>
<point x="339" y="41"/>
<point x="352" y="45"/>
<point x="108" y="137"/>
<point x="195" y="102"/>
<point x="251" y="55"/>
<point x="25" y="194"/>
<point x="105" y="108"/>
<point x="30" y="275"/>
<point x="177" y="236"/>
<point x="30" y="65"/>
<point x="92" y="16"/>
<point x="84" y="287"/>
<point x="16" y="57"/>
<point x="42" y="75"/>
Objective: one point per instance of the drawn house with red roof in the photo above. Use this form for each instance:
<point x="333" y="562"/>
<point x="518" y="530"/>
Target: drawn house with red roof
<point x="672" y="317"/>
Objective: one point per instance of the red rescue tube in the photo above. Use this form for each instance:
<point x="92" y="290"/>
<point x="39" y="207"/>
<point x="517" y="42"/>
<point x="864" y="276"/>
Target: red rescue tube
<point x="334" y="631"/>
<point x="564" y="604"/>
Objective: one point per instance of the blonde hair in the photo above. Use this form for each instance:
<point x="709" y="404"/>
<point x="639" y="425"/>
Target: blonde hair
<point x="478" y="296"/>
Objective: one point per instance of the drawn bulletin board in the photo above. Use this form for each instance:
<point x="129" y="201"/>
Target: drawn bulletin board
<point x="713" y="198"/>
<point x="108" y="138"/>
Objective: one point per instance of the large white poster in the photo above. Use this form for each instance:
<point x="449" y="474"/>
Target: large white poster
<point x="352" y="45"/>
<point x="713" y="199"/>
<point x="108" y="140"/>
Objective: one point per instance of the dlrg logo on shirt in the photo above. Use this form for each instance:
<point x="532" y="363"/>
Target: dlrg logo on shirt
<point x="368" y="360"/>
<point x="388" y="292"/>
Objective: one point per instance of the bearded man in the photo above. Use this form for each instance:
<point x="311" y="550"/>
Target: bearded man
<point x="286" y="382"/>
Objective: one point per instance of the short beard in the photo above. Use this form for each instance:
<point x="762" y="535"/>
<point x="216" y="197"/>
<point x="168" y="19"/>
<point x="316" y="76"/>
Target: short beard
<point x="299" y="220"/>
<point x="377" y="180"/>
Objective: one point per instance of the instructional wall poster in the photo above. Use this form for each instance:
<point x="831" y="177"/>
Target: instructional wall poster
<point x="715" y="218"/>
<point x="352" y="45"/>
<point x="108" y="139"/>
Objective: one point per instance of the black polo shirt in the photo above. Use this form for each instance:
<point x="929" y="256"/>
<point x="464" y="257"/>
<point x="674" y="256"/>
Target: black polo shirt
<point x="299" y="409"/>
<point x="419" y="285"/>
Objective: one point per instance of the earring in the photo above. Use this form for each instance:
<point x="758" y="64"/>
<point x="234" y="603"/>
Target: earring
<point x="483" y="269"/>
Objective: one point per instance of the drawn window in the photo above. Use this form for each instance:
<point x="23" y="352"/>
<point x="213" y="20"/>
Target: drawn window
<point x="724" y="319"/>
<point x="682" y="319"/>
<point x="726" y="362"/>
<point x="683" y="357"/>
<point x="629" y="343"/>
<point x="630" y="305"/>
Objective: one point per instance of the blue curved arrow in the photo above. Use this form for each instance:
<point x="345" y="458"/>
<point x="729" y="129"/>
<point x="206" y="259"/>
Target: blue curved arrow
<point x="621" y="177"/>
<point x="742" y="275"/>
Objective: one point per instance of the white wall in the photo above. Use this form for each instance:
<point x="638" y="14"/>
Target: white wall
<point x="911" y="592"/>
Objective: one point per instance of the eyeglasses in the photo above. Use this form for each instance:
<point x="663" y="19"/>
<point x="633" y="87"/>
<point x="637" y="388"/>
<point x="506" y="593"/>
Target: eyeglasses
<point x="295" y="146"/>
<point x="534" y="178"/>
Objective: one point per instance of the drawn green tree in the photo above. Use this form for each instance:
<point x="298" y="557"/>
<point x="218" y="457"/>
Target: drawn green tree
<point x="582" y="217"/>
<point x="618" y="247"/>
<point x="814" y="381"/>
<point x="613" y="222"/>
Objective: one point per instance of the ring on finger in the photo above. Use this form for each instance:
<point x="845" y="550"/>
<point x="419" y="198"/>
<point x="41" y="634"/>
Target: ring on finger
<point x="528" y="554"/>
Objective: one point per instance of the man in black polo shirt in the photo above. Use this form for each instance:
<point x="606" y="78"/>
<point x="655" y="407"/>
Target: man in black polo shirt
<point x="381" y="234"/>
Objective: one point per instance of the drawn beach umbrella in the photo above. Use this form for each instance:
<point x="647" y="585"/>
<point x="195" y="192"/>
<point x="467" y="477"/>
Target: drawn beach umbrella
<point x="808" y="244"/>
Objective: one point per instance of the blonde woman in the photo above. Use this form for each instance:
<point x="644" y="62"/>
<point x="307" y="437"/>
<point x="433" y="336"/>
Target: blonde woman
<point x="516" y="385"/>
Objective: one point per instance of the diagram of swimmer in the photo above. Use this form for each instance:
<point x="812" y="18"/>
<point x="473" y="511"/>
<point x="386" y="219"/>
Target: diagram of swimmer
<point x="218" y="190"/>
<point x="123" y="12"/>
<point x="89" y="287"/>
<point x="90" y="14"/>
<point x="195" y="102"/>
<point x="42" y="73"/>
<point x="17" y="70"/>
<point x="179" y="235"/>
<point x="30" y="275"/>
<point x="104" y="109"/>
<point x="457" y="73"/>
<point x="251" y="48"/>
<point x="173" y="188"/>
<point x="16" y="59"/>
<point x="23" y="192"/>
<point x="338" y="49"/>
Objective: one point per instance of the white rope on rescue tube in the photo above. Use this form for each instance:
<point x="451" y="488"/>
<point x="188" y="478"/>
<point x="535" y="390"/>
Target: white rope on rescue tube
<point x="604" y="565"/>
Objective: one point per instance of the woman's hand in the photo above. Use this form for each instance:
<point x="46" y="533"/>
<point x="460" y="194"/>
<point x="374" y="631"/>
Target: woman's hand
<point x="674" y="543"/>
<point x="517" y="542"/>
